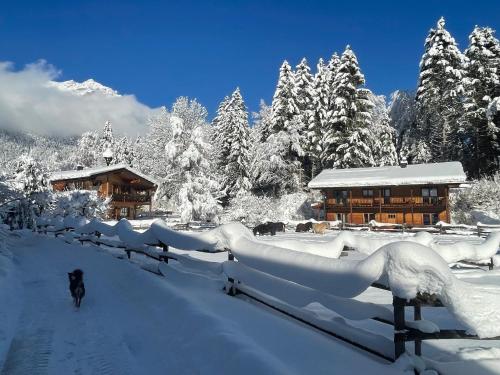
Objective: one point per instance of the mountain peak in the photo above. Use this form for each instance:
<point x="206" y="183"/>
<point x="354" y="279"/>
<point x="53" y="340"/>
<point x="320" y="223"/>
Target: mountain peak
<point x="88" y="87"/>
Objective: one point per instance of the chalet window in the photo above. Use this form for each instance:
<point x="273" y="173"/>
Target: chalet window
<point x="431" y="219"/>
<point x="342" y="217"/>
<point x="124" y="212"/>
<point x="368" y="218"/>
<point x="387" y="196"/>
<point x="340" y="196"/>
<point x="429" y="195"/>
<point x="391" y="216"/>
<point x="367" y="193"/>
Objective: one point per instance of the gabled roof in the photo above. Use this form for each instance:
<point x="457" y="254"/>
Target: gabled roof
<point x="413" y="174"/>
<point x="90" y="172"/>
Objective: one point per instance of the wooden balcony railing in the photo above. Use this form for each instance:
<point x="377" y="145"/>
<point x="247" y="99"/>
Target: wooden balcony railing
<point x="124" y="197"/>
<point x="388" y="202"/>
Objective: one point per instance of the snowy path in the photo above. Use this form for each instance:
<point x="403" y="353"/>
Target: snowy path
<point x="134" y="322"/>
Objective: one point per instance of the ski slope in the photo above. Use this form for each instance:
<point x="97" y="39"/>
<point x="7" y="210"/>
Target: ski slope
<point x="135" y="322"/>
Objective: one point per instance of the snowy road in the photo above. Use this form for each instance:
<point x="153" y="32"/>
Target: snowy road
<point x="134" y="322"/>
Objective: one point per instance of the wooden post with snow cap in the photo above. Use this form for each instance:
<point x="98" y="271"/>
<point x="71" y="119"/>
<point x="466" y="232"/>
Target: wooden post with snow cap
<point x="230" y="281"/>
<point x="165" y="250"/>
<point x="399" y="326"/>
<point x="417" y="315"/>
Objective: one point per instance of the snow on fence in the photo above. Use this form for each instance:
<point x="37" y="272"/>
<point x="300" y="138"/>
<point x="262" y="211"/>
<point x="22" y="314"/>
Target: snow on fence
<point x="480" y="229"/>
<point x="288" y="280"/>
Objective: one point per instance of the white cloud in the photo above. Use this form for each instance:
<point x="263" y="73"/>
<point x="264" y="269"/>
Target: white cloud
<point x="30" y="103"/>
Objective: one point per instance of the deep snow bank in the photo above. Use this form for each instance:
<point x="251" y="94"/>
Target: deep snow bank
<point x="467" y="251"/>
<point x="408" y="268"/>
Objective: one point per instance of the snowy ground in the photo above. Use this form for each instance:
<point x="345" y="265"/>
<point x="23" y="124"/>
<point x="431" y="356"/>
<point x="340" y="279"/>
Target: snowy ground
<point x="135" y="322"/>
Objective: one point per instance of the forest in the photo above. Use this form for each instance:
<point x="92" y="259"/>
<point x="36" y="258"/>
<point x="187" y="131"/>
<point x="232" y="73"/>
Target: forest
<point x="319" y="118"/>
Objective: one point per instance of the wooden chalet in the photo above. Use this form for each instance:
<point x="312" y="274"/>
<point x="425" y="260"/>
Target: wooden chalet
<point x="415" y="194"/>
<point x="128" y="189"/>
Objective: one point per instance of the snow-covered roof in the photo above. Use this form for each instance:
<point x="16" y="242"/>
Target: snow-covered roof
<point x="89" y="172"/>
<point x="413" y="174"/>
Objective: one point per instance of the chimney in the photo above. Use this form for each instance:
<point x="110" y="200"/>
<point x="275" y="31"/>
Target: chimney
<point x="403" y="162"/>
<point x="79" y="167"/>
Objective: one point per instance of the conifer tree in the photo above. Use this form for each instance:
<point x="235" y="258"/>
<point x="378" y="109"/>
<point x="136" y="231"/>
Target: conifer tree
<point x="284" y="100"/>
<point x="107" y="139"/>
<point x="304" y="101"/>
<point x="439" y="94"/>
<point x="351" y="118"/>
<point x="232" y="143"/>
<point x="482" y="85"/>
<point x="88" y="152"/>
<point x="321" y="129"/>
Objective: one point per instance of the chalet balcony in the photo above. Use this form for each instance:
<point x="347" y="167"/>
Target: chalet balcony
<point x="387" y="202"/>
<point x="136" y="198"/>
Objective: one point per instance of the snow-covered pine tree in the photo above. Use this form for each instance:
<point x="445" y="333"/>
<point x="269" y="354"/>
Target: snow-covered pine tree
<point x="351" y="118"/>
<point x="31" y="177"/>
<point x="316" y="132"/>
<point x="88" y="152"/>
<point x="482" y="85"/>
<point x="215" y="133"/>
<point x="32" y="181"/>
<point x="439" y="95"/>
<point x="262" y="122"/>
<point x="150" y="151"/>
<point x="285" y="117"/>
<point x="272" y="172"/>
<point x="304" y="101"/>
<point x="284" y="100"/>
<point x="383" y="142"/>
<point x="304" y="93"/>
<point x="107" y="139"/>
<point x="232" y="142"/>
<point x="192" y="184"/>
<point x="124" y="151"/>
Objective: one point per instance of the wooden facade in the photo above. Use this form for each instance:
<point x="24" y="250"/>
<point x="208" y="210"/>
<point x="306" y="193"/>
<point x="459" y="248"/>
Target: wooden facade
<point x="129" y="191"/>
<point x="413" y="194"/>
<point x="413" y="204"/>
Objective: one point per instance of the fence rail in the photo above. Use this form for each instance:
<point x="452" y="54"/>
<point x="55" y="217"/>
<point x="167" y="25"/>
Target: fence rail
<point x="481" y="230"/>
<point x="402" y="332"/>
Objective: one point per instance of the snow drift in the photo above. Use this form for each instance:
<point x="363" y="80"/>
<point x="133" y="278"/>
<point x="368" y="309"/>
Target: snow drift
<point x="408" y="268"/>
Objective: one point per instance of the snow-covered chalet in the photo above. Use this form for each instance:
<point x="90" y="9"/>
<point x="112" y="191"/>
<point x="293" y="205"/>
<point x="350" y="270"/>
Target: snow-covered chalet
<point x="415" y="194"/>
<point x="129" y="190"/>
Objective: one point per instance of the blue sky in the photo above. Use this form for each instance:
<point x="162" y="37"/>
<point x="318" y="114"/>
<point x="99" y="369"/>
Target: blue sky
<point x="160" y="50"/>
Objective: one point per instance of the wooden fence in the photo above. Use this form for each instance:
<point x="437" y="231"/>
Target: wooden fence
<point x="402" y="332"/>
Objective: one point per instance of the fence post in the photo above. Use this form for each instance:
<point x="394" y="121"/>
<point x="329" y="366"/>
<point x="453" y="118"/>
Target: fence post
<point x="128" y="253"/>
<point x="417" y="315"/>
<point x="478" y="231"/>
<point x="165" y="250"/>
<point x="399" y="326"/>
<point x="491" y="264"/>
<point x="230" y="289"/>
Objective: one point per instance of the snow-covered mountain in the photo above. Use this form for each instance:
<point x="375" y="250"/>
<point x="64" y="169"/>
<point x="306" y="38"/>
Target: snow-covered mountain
<point x="88" y="87"/>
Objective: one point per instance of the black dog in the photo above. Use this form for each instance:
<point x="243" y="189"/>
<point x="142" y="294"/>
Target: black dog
<point x="264" y="228"/>
<point x="304" y="227"/>
<point x="76" y="286"/>
<point x="278" y="226"/>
